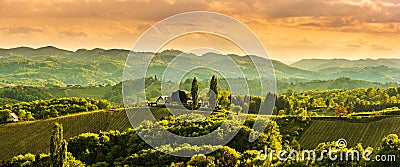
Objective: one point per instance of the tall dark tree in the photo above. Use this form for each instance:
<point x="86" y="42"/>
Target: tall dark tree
<point x="213" y="93"/>
<point x="4" y="115"/>
<point x="327" y="103"/>
<point x="179" y="96"/>
<point x="392" y="91"/>
<point x="58" y="146"/>
<point x="194" y="91"/>
<point x="283" y="103"/>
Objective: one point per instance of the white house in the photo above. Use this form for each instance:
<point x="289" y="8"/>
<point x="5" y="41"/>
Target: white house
<point x="163" y="100"/>
<point x="14" y="118"/>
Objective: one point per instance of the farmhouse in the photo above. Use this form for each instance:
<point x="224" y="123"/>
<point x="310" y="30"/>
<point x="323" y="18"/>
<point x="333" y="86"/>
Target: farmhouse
<point x="162" y="100"/>
<point x="13" y="118"/>
<point x="177" y="97"/>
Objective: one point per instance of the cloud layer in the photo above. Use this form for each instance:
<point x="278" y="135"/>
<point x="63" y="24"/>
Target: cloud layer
<point x="290" y="29"/>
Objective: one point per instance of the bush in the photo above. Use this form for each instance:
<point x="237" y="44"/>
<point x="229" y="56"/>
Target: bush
<point x="23" y="160"/>
<point x="250" y="158"/>
<point x="226" y="156"/>
<point x="100" y="164"/>
<point x="199" y="161"/>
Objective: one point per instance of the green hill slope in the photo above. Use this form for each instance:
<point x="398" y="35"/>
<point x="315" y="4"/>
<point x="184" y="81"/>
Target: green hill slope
<point x="380" y="73"/>
<point x="52" y="66"/>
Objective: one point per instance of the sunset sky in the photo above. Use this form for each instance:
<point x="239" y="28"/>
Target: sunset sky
<point x="290" y="29"/>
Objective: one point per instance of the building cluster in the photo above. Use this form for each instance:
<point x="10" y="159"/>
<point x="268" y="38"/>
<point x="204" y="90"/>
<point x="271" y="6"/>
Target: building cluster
<point x="177" y="97"/>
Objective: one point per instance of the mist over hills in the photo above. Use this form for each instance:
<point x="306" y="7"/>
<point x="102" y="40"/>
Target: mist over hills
<point x="54" y="66"/>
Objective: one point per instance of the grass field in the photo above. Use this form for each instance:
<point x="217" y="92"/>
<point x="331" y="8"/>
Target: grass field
<point x="367" y="133"/>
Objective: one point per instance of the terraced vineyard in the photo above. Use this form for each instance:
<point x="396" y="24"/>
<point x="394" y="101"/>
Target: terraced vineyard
<point x="367" y="133"/>
<point x="34" y="136"/>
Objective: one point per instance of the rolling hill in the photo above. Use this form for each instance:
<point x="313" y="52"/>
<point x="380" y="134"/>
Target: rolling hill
<point x="380" y="73"/>
<point x="48" y="66"/>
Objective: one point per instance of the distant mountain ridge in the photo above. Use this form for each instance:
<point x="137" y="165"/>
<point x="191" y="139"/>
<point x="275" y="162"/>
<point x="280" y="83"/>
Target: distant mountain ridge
<point x="53" y="66"/>
<point x="319" y="64"/>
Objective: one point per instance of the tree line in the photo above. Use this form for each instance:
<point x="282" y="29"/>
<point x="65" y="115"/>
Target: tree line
<point x="306" y="103"/>
<point x="42" y="109"/>
<point x="25" y="93"/>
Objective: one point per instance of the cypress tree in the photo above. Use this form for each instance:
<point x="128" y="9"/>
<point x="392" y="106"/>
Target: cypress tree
<point x="58" y="146"/>
<point x="213" y="93"/>
<point x="215" y="86"/>
<point x="327" y="103"/>
<point x="194" y="92"/>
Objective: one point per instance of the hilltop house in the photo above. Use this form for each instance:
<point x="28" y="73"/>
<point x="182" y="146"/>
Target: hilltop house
<point x="13" y="118"/>
<point x="178" y="97"/>
<point x="162" y="100"/>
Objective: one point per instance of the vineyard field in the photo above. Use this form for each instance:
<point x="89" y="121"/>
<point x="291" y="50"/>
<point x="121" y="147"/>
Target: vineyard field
<point x="367" y="133"/>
